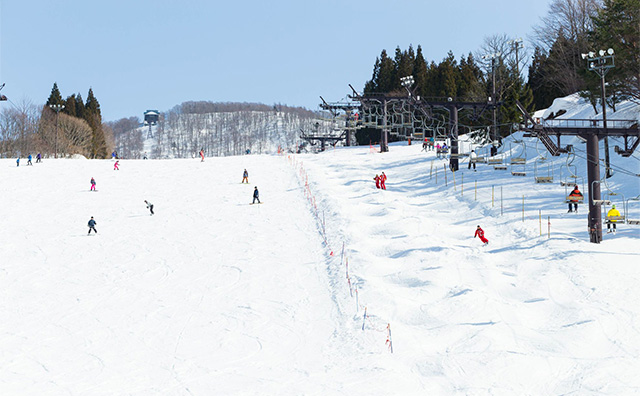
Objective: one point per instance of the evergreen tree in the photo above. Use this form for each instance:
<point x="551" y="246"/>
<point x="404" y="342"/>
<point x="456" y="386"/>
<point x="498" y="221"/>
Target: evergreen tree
<point x="543" y="91"/>
<point x="419" y="71"/>
<point x="55" y="98"/>
<point x="94" y="119"/>
<point x="79" y="105"/>
<point x="70" y="106"/>
<point x="617" y="26"/>
<point x="447" y="72"/>
<point x="404" y="64"/>
<point x="386" y="77"/>
<point x="469" y="79"/>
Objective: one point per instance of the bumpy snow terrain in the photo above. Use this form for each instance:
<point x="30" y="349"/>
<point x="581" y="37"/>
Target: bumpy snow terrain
<point x="212" y="295"/>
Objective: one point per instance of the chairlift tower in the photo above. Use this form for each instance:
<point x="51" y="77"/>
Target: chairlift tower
<point x="348" y="109"/>
<point x="425" y="107"/>
<point x="591" y="131"/>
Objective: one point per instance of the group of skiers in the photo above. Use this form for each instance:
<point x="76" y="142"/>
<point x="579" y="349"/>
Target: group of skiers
<point x="92" y="223"/>
<point x="380" y="181"/>
<point x="29" y="158"/>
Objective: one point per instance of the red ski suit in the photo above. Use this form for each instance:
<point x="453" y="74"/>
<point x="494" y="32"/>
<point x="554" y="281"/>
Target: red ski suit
<point x="383" y="179"/>
<point x="377" y="179"/>
<point x="480" y="234"/>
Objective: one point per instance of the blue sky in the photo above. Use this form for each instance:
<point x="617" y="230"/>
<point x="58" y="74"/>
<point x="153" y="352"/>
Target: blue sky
<point x="139" y="55"/>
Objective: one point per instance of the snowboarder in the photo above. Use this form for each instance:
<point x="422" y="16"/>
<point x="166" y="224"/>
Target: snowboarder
<point x="377" y="179"/>
<point x="115" y="166"/>
<point x="18" y="162"/>
<point x="245" y="177"/>
<point x="38" y="158"/>
<point x="383" y="179"/>
<point x="480" y="234"/>
<point x="611" y="213"/>
<point x="93" y="184"/>
<point x="202" y="155"/>
<point x="145" y="155"/>
<point x="92" y="226"/>
<point x="149" y="206"/>
<point x="29" y="160"/>
<point x="472" y="160"/>
<point x="113" y="155"/>
<point x="256" y="195"/>
<point x="573" y="199"/>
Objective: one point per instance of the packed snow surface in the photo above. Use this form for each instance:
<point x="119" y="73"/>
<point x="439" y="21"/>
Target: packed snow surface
<point x="212" y="295"/>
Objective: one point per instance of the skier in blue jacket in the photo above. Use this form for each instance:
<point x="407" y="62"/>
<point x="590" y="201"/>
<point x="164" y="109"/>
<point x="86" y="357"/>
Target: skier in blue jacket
<point x="92" y="226"/>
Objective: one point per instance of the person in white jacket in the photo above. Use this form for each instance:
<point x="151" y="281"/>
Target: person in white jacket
<point x="472" y="160"/>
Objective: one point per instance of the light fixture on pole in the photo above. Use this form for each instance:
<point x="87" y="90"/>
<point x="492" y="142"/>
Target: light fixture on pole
<point x="407" y="81"/>
<point x="56" y="108"/>
<point x="601" y="65"/>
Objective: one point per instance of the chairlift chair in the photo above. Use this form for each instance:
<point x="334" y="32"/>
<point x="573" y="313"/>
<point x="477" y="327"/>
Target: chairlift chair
<point x="633" y="218"/>
<point x="608" y="201"/>
<point x="538" y="175"/>
<point x="519" y="164"/>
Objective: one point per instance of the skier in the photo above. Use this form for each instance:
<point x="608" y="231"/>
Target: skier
<point x="113" y="155"/>
<point x="38" y="158"/>
<point x="92" y="226"/>
<point x="377" y="179"/>
<point x="472" y="160"/>
<point x="425" y="144"/>
<point x="202" y="155"/>
<point x="245" y="176"/>
<point x="29" y="160"/>
<point x="149" y="206"/>
<point x="115" y="166"/>
<point x="573" y="199"/>
<point x="383" y="179"/>
<point x="93" y="184"/>
<point x="255" y="195"/>
<point x="480" y="234"/>
<point x="18" y="162"/>
<point x="145" y="155"/>
<point x="611" y="213"/>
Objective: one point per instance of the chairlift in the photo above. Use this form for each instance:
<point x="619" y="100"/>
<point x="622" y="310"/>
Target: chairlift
<point x="609" y="201"/>
<point x="571" y="199"/>
<point x="496" y="160"/>
<point x="519" y="164"/>
<point x="633" y="218"/>
<point x="538" y="175"/>
<point x="572" y="177"/>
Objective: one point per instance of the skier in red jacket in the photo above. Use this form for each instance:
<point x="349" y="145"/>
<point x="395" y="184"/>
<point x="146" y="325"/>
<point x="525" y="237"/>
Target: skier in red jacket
<point x="383" y="179"/>
<point x="377" y="179"/>
<point x="480" y="234"/>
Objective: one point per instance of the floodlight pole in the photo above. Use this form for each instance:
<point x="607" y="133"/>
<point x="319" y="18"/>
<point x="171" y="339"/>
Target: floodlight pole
<point x="601" y="66"/>
<point x="56" y="108"/>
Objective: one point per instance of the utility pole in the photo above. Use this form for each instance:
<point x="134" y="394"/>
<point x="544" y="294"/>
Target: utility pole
<point x="601" y="65"/>
<point x="517" y="44"/>
<point x="56" y="108"/>
<point x="494" y="135"/>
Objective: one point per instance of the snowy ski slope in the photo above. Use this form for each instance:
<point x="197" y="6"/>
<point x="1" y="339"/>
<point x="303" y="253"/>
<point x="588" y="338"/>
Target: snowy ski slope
<point x="216" y="296"/>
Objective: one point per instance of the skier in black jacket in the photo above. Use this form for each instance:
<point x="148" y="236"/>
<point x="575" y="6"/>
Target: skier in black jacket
<point x="255" y="195"/>
<point x="149" y="206"/>
<point x="92" y="226"/>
